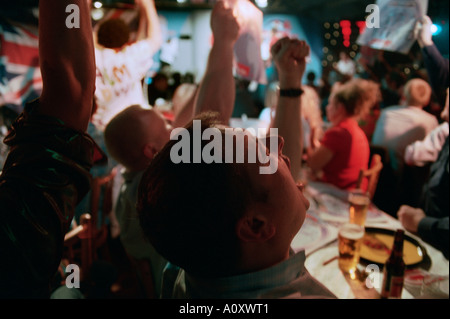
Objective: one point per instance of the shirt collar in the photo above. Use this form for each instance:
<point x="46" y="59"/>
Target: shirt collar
<point x="129" y="176"/>
<point x="260" y="281"/>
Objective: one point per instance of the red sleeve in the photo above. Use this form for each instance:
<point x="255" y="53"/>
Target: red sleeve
<point x="335" y="138"/>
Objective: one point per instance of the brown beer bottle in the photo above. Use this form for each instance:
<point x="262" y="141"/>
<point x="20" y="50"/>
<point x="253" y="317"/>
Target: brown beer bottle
<point x="394" y="269"/>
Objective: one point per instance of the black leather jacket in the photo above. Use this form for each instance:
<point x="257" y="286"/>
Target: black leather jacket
<point x="44" y="177"/>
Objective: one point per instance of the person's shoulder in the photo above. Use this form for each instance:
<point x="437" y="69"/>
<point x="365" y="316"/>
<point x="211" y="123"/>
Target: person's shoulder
<point x="333" y="130"/>
<point x="99" y="50"/>
<point x="139" y="44"/>
<point x="336" y="135"/>
<point x="102" y="55"/>
<point x="392" y="108"/>
<point x="337" y="129"/>
<point x="423" y="116"/>
<point x="393" y="112"/>
<point x="427" y="114"/>
<point x="352" y="129"/>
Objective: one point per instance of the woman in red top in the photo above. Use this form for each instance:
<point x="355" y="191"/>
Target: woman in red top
<point x="344" y="150"/>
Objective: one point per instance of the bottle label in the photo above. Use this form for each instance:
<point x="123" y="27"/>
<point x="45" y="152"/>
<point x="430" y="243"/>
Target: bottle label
<point x="394" y="287"/>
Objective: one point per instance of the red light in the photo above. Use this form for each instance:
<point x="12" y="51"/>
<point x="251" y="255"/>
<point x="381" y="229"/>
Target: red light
<point x="346" y="31"/>
<point x="345" y="23"/>
<point x="361" y="25"/>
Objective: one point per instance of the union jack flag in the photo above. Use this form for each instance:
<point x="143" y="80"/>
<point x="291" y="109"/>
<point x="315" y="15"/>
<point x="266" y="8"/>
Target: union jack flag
<point x="20" y="76"/>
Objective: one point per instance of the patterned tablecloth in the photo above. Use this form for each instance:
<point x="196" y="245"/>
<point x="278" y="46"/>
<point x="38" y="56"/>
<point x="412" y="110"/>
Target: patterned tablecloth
<point x="318" y="236"/>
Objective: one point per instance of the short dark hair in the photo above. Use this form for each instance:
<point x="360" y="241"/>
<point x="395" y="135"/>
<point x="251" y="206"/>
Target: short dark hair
<point x="189" y="212"/>
<point x="113" y="33"/>
<point x="311" y="76"/>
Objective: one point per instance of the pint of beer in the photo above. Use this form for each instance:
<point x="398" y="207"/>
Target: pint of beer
<point x="350" y="237"/>
<point x="359" y="203"/>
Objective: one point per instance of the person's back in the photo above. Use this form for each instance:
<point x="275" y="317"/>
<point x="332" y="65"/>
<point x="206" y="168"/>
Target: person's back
<point x="47" y="170"/>
<point x="399" y="126"/>
<point x="435" y="198"/>
<point x="430" y="221"/>
<point x="344" y="149"/>
<point x="131" y="235"/>
<point x="121" y="65"/>
<point x="351" y="154"/>
<point x="435" y="192"/>
<point x="129" y="136"/>
<point x="119" y="76"/>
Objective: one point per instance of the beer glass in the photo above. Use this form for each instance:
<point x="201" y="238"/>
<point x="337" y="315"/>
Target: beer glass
<point x="349" y="239"/>
<point x="359" y="204"/>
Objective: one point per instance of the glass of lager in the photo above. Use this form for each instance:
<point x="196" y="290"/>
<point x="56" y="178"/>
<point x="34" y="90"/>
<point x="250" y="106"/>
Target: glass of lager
<point x="349" y="238"/>
<point x="359" y="201"/>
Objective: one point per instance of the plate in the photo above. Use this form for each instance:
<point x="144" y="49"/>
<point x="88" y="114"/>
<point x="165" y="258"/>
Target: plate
<point x="377" y="243"/>
<point x="313" y="235"/>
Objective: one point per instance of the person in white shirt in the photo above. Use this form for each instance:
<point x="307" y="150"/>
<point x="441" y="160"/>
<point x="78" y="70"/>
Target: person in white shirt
<point x="399" y="126"/>
<point x="346" y="66"/>
<point x="427" y="150"/>
<point x="121" y="65"/>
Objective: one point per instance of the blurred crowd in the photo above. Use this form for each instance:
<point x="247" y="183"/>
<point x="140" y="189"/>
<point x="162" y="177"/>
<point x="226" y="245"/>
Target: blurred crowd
<point x="206" y="231"/>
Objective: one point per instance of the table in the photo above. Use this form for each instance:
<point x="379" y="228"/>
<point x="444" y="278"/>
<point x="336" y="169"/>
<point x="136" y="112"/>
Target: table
<point x="324" y="268"/>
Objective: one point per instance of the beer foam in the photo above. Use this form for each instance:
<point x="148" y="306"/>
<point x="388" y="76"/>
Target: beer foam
<point x="352" y="231"/>
<point x="359" y="200"/>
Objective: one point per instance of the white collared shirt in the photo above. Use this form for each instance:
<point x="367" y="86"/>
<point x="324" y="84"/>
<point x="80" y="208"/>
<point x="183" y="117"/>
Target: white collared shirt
<point x="288" y="279"/>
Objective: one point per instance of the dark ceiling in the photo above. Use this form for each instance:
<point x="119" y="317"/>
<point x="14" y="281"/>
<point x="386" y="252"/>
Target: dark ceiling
<point x="320" y="10"/>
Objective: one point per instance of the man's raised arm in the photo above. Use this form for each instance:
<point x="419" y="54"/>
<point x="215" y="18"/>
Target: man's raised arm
<point x="289" y="56"/>
<point x="217" y="89"/>
<point x="66" y="53"/>
<point x="149" y="27"/>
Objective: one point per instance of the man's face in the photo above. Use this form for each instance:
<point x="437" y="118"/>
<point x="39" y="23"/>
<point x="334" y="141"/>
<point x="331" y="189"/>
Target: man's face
<point x="286" y="205"/>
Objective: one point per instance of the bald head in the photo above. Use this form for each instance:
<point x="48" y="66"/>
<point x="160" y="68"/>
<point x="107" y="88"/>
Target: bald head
<point x="417" y="93"/>
<point x="132" y="132"/>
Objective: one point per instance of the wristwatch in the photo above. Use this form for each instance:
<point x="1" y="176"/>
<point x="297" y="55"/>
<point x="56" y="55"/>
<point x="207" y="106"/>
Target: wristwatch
<point x="291" y="92"/>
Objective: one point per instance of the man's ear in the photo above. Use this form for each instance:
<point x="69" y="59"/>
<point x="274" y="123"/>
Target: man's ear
<point x="149" y="151"/>
<point x="255" y="228"/>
